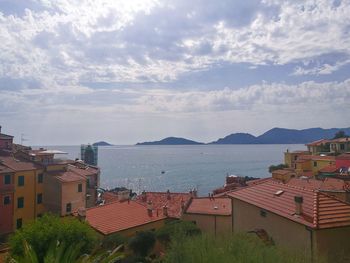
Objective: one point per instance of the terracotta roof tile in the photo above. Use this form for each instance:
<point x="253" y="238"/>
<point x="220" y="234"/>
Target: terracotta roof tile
<point x="160" y="199"/>
<point x="16" y="164"/>
<point x="119" y="216"/>
<point x="210" y="206"/>
<point x="319" y="209"/>
<point x="317" y="143"/>
<point x="68" y="176"/>
<point x="109" y="197"/>
<point x="329" y="169"/>
<point x="87" y="171"/>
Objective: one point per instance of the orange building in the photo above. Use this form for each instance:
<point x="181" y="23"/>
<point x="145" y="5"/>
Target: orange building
<point x="6" y="200"/>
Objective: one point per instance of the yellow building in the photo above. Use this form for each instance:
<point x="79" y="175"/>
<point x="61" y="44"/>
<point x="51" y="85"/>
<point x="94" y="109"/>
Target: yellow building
<point x="28" y="192"/>
<point x="312" y="164"/>
<point x="290" y="158"/>
<point x="211" y="215"/>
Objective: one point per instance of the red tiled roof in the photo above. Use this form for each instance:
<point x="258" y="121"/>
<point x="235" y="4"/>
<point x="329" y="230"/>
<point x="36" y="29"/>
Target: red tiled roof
<point x="210" y="206"/>
<point x="69" y="176"/>
<point x="4" y="169"/>
<point x="117" y="216"/>
<point x="16" y="164"/>
<point x="317" y="143"/>
<point x="340" y="140"/>
<point x="258" y="181"/>
<point x="87" y="171"/>
<point x="306" y="183"/>
<point x="160" y="199"/>
<point x="329" y="169"/>
<point x="319" y="209"/>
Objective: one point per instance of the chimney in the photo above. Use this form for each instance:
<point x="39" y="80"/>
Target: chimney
<point x="144" y="196"/>
<point x="0" y="128"/>
<point x="194" y="192"/>
<point x="82" y="213"/>
<point x="165" y="210"/>
<point x="149" y="208"/>
<point x="182" y="205"/>
<point x="168" y="195"/>
<point x="298" y="204"/>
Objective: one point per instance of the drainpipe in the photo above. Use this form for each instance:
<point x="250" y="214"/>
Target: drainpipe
<point x="311" y="243"/>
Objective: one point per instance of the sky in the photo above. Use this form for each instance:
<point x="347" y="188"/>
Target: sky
<point x="80" y="71"/>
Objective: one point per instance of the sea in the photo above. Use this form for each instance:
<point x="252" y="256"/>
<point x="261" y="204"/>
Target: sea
<point x="181" y="167"/>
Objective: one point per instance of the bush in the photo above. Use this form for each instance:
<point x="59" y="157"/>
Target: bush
<point x="170" y="229"/>
<point x="237" y="248"/>
<point x="113" y="240"/>
<point x="47" y="230"/>
<point x="142" y="243"/>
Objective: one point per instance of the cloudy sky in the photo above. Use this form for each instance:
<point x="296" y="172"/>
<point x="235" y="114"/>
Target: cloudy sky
<point x="77" y="71"/>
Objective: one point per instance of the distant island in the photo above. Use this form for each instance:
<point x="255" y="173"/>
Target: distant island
<point x="273" y="136"/>
<point x="102" y="143"/>
<point x="171" y="141"/>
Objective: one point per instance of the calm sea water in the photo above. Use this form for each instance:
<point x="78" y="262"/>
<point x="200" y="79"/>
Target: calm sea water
<point x="202" y="166"/>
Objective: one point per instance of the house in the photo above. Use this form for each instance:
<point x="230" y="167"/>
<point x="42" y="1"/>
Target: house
<point x="175" y="202"/>
<point x="334" y="146"/>
<point x="319" y="146"/>
<point x="297" y="218"/>
<point x="211" y="214"/>
<point x="125" y="218"/>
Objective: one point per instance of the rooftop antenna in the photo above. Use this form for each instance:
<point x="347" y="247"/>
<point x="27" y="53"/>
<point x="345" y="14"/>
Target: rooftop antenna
<point x="23" y="139"/>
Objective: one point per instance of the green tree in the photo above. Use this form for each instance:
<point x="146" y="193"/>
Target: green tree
<point x="340" y="134"/>
<point x="142" y="243"/>
<point x="45" y="231"/>
<point x="170" y="229"/>
<point x="113" y="240"/>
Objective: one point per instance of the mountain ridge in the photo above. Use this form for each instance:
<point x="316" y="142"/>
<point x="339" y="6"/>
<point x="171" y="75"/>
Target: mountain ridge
<point x="273" y="136"/>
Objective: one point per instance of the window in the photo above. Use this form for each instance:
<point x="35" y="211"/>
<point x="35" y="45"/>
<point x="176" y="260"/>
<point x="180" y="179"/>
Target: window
<point x="80" y="188"/>
<point x="19" y="223"/>
<point x="7" y="179"/>
<point x="295" y="157"/>
<point x="342" y="146"/>
<point x="39" y="198"/>
<point x="20" y="202"/>
<point x="39" y="215"/>
<point x="263" y="213"/>
<point x="315" y="164"/>
<point x="21" y="180"/>
<point x="68" y="207"/>
<point x="7" y="200"/>
<point x="40" y="178"/>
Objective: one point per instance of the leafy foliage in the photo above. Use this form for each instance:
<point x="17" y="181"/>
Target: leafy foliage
<point x="277" y="167"/>
<point x="340" y="134"/>
<point x="113" y="240"/>
<point x="170" y="229"/>
<point x="42" y="233"/>
<point x="142" y="243"/>
<point x="237" y="248"/>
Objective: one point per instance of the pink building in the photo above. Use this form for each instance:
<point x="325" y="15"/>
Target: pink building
<point x="6" y="199"/>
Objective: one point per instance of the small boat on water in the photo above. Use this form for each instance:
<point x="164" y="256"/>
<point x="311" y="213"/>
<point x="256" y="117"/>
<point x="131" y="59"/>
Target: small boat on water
<point x="162" y="172"/>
